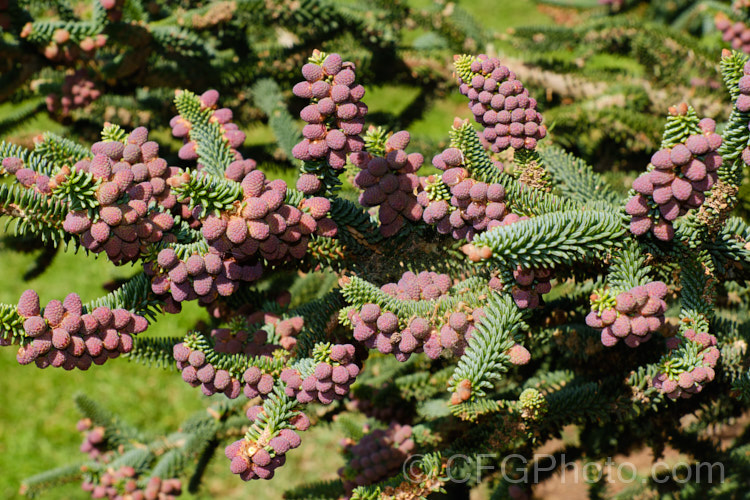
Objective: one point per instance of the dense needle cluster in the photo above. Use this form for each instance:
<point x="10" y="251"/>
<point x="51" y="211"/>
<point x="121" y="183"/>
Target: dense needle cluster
<point x="516" y="354"/>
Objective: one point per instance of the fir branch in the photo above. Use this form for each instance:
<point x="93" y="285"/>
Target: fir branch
<point x="554" y="238"/>
<point x="213" y="150"/>
<point x="212" y="193"/>
<point x="741" y="386"/>
<point x="42" y="32"/>
<point x="549" y="381"/>
<point x="112" y="132"/>
<point x="578" y="402"/>
<point x="117" y="432"/>
<point x="356" y="229"/>
<point x="423" y="385"/>
<point x="10" y="150"/>
<point x="485" y="359"/>
<point x="34" y="213"/>
<point x="11" y="324"/>
<point x="154" y="351"/>
<point x="312" y="286"/>
<point x="139" y="458"/>
<point x="430" y="466"/>
<point x="178" y="451"/>
<point x="278" y="410"/>
<point x="729" y="249"/>
<point x="318" y="315"/>
<point x="472" y="410"/>
<point x="134" y="295"/>
<point x="320" y="490"/>
<point x="698" y="285"/>
<point x="19" y="113"/>
<point x="575" y="179"/>
<point x="522" y="200"/>
<point x="471" y="292"/>
<point x="235" y="364"/>
<point x="628" y="268"/>
<point x="35" y="485"/>
<point x="327" y="175"/>
<point x="679" y="127"/>
<point x="78" y="190"/>
<point x="60" y="150"/>
<point x="647" y="397"/>
<point x="267" y="96"/>
<point x="735" y="134"/>
<point x="30" y="159"/>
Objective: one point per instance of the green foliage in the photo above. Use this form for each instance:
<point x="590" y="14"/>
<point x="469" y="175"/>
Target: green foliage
<point x="559" y="238"/>
<point x="37" y="484"/>
<point x="213" y="150"/>
<point x="619" y="70"/>
<point x="267" y="96"/>
<point x="60" y="150"/>
<point x="512" y="382"/>
<point x="575" y="179"/>
<point x="32" y="213"/>
<point x="322" y="490"/>
<point x="212" y="193"/>
<point x="486" y="359"/>
<point x="629" y="269"/>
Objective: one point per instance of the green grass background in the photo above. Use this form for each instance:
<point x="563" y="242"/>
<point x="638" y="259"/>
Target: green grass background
<point x="37" y="414"/>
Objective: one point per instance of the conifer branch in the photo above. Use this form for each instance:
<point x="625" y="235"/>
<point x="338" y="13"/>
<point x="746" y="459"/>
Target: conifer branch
<point x="575" y="179"/>
<point x="486" y="357"/>
<point x="267" y="96"/>
<point x="212" y="148"/>
<point x="554" y="239"/>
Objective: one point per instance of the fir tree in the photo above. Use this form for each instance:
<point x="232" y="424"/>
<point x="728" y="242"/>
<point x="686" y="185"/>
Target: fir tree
<point x="470" y="311"/>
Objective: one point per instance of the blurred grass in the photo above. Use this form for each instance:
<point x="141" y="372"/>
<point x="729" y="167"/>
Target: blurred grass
<point x="498" y="15"/>
<point x="37" y="412"/>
